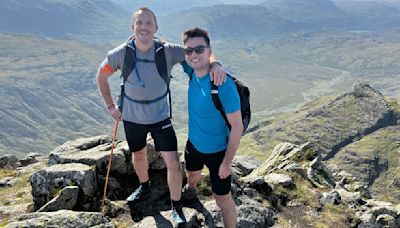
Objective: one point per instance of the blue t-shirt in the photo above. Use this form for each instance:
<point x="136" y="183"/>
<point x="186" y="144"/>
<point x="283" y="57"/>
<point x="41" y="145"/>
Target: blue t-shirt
<point x="208" y="131"/>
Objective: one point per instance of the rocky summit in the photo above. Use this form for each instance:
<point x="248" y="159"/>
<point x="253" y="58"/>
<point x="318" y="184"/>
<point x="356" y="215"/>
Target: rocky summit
<point x="332" y="163"/>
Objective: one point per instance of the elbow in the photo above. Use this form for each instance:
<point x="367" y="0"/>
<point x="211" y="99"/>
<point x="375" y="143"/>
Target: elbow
<point x="237" y="127"/>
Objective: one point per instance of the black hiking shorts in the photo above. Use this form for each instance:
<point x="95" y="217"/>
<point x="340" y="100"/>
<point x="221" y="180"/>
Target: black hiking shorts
<point x="195" y="161"/>
<point x="162" y="133"/>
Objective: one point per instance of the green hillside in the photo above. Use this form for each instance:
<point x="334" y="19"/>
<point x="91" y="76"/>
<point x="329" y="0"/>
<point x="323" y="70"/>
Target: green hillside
<point x="100" y="20"/>
<point x="48" y="93"/>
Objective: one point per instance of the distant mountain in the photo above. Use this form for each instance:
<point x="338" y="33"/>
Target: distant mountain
<point x="354" y="15"/>
<point x="321" y="12"/>
<point x="94" y="19"/>
<point x="164" y="7"/>
<point x="371" y="14"/>
<point x="230" y="21"/>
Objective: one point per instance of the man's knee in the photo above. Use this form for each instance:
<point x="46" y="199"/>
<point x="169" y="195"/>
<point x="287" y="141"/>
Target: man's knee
<point x="172" y="161"/>
<point x="224" y="201"/>
<point x="193" y="175"/>
<point x="140" y="155"/>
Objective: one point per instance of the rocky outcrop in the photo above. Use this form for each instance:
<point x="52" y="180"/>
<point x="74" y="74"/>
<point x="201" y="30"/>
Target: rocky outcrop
<point x="31" y="158"/>
<point x="331" y="125"/>
<point x="95" y="151"/>
<point x="303" y="160"/>
<point x="62" y="218"/>
<point x="47" y="182"/>
<point x="66" y="200"/>
<point x="374" y="162"/>
<point x="9" y="161"/>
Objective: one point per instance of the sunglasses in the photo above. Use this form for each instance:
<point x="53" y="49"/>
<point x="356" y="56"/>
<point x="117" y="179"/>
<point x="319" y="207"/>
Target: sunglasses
<point x="197" y="49"/>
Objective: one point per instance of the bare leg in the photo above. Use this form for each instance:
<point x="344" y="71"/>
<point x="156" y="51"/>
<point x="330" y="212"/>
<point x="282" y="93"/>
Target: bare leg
<point x="140" y="163"/>
<point x="229" y="213"/>
<point x="174" y="175"/>
<point x="193" y="178"/>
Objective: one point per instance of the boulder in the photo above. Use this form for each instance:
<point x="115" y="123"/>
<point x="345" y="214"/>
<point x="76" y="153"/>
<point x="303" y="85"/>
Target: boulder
<point x="279" y="179"/>
<point x="67" y="200"/>
<point x="286" y="156"/>
<point x="62" y="218"/>
<point x="332" y="197"/>
<point x="9" y="161"/>
<point x="246" y="164"/>
<point x="47" y="182"/>
<point x="8" y="181"/>
<point x="29" y="159"/>
<point x="386" y="220"/>
<point x="96" y="151"/>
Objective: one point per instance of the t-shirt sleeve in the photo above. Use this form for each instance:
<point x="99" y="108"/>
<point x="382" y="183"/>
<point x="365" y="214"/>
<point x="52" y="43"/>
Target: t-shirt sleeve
<point x="229" y="96"/>
<point x="175" y="53"/>
<point x="116" y="57"/>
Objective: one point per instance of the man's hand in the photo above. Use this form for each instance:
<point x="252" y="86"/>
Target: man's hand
<point x="217" y="74"/>
<point x="114" y="112"/>
<point x="224" y="170"/>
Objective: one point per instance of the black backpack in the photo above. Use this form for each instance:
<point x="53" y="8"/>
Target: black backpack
<point x="244" y="94"/>
<point x="129" y="65"/>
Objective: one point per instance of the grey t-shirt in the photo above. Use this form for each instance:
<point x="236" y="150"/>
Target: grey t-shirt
<point x="152" y="86"/>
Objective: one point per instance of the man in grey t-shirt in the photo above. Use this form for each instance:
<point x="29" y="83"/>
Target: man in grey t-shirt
<point x="145" y="84"/>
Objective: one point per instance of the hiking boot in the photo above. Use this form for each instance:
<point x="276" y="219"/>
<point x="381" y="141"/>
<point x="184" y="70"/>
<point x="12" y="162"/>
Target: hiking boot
<point x="138" y="194"/>
<point x="188" y="193"/>
<point x="177" y="216"/>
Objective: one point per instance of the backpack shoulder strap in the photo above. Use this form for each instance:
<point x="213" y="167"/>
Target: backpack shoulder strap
<point x="161" y="65"/>
<point x="129" y="61"/>
<point x="161" y="61"/>
<point x="217" y="102"/>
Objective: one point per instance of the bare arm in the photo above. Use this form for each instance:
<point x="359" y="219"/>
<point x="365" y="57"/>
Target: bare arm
<point x="235" y="120"/>
<point x="103" y="73"/>
<point x="217" y="74"/>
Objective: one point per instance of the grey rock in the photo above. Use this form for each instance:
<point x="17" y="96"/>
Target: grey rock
<point x="257" y="183"/>
<point x="62" y="218"/>
<point x="255" y="215"/>
<point x="115" y="208"/>
<point x="8" y="181"/>
<point x="46" y="182"/>
<point x="386" y="221"/>
<point x="368" y="225"/>
<point x="9" y="161"/>
<point x="332" y="197"/>
<point x="96" y="151"/>
<point x="288" y="156"/>
<point x="353" y="198"/>
<point x="250" y="214"/>
<point x="279" y="179"/>
<point x="246" y="164"/>
<point x="28" y="160"/>
<point x="67" y="200"/>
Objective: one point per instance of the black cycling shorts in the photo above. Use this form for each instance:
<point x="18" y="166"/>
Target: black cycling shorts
<point x="195" y="161"/>
<point x="162" y="133"/>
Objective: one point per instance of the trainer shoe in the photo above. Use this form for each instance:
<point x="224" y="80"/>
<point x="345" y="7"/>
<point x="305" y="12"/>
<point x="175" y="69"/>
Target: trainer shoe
<point x="188" y="193"/>
<point x="138" y="194"/>
<point x="177" y="216"/>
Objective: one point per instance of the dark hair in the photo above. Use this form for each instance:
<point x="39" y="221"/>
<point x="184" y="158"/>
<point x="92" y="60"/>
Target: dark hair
<point x="145" y="9"/>
<point x="195" y="32"/>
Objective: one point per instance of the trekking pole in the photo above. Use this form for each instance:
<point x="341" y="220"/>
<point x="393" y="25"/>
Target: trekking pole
<point x="109" y="163"/>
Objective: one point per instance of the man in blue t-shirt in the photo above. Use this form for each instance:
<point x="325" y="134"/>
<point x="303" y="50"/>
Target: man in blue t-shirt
<point x="210" y="142"/>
